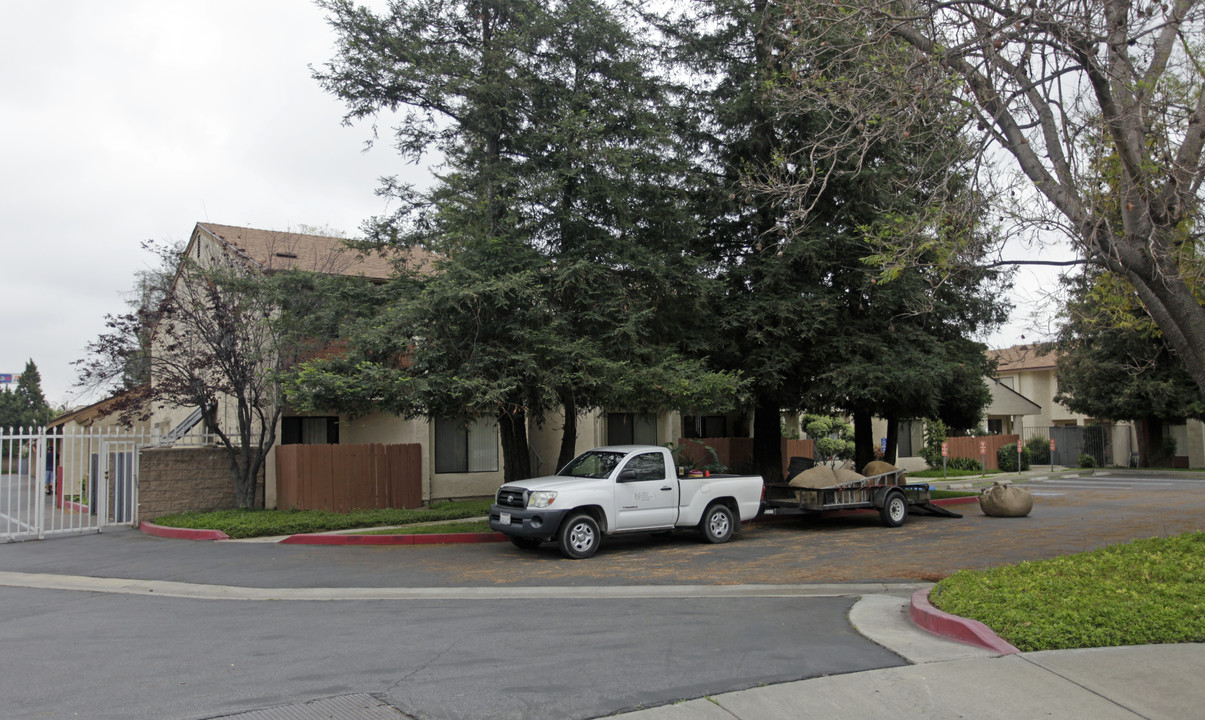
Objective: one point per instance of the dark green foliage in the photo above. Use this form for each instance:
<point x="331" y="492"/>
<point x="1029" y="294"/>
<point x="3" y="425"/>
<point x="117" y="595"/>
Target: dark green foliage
<point x="964" y="463"/>
<point x="25" y="406"/>
<point x="558" y="217"/>
<point x="1086" y="461"/>
<point x="1006" y="457"/>
<point x="1039" y="450"/>
<point x="1113" y="362"/>
<point x="935" y="435"/>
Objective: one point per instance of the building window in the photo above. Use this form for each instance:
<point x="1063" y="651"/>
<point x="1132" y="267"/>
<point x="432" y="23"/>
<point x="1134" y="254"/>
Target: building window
<point x="466" y="446"/>
<point x="911" y="438"/>
<point x="309" y="431"/>
<point x="631" y="429"/>
<point x="704" y="426"/>
<point x="995" y="426"/>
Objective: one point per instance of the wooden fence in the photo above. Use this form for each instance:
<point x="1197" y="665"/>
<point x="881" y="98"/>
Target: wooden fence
<point x="348" y="477"/>
<point x="737" y="453"/>
<point x="968" y="447"/>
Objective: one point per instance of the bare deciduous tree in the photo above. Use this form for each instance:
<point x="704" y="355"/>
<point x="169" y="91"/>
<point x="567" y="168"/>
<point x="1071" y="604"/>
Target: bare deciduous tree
<point x="1099" y="105"/>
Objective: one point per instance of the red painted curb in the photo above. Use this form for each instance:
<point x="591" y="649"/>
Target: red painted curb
<point x="181" y="533"/>
<point x="431" y="539"/>
<point x="971" y="632"/>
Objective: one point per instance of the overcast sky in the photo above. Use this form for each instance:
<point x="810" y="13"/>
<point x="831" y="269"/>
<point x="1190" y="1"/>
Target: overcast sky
<point x="130" y="120"/>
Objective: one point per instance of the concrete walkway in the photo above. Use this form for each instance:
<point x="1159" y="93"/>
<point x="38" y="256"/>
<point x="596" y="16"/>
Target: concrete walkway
<point x="955" y="680"/>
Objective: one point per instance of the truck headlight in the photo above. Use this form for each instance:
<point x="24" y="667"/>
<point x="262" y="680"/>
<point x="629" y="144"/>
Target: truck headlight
<point x="541" y="498"/>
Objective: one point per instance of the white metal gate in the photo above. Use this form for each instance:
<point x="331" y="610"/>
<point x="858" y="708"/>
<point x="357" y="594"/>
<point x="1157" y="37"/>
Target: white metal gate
<point x="56" y="482"/>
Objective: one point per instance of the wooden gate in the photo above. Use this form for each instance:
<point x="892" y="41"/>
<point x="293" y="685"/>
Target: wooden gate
<point x="348" y="477"/>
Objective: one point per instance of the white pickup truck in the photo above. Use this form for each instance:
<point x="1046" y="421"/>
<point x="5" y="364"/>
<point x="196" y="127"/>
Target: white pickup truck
<point x="622" y="489"/>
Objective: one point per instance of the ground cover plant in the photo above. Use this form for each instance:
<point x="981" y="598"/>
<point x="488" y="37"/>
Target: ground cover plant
<point x="1143" y="592"/>
<point x="468" y="526"/>
<point x="950" y="473"/>
<point x="264" y="523"/>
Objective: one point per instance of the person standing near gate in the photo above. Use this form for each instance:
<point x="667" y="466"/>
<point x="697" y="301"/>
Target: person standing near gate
<point x="50" y="462"/>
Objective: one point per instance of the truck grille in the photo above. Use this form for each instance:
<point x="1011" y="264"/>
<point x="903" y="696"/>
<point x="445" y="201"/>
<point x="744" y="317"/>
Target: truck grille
<point x="511" y="498"/>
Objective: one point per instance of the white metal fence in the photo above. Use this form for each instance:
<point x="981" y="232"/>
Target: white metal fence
<point x="55" y="482"/>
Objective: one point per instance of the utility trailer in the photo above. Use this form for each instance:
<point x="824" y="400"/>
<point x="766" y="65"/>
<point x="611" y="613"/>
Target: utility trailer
<point x="886" y="492"/>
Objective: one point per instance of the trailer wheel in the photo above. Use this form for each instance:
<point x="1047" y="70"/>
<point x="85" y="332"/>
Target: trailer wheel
<point x="894" y="511"/>
<point x="525" y="543"/>
<point x="578" y="537"/>
<point x="718" y="524"/>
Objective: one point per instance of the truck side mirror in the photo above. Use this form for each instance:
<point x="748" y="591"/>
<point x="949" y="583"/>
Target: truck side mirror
<point x="627" y="475"/>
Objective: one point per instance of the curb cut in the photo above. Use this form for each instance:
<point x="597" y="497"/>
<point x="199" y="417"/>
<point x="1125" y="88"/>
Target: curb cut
<point x="953" y="627"/>
<point x="429" y="539"/>
<point x="181" y="533"/>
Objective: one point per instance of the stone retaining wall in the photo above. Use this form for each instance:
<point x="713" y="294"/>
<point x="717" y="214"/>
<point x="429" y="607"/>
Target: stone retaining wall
<point x="175" y="480"/>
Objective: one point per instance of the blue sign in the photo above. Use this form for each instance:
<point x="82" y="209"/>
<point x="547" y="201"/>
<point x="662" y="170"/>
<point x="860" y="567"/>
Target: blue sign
<point x="8" y="378"/>
<point x="883" y="445"/>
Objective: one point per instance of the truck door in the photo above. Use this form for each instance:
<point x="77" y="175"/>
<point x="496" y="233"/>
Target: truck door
<point x="645" y="496"/>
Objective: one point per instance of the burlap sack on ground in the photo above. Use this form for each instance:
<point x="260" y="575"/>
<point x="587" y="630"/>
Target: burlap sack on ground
<point x="845" y="475"/>
<point x="821" y="476"/>
<point x="1006" y="501"/>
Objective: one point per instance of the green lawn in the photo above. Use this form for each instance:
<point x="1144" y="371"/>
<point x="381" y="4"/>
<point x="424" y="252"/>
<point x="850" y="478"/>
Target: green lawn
<point x="263" y="523"/>
<point x="1139" y="593"/>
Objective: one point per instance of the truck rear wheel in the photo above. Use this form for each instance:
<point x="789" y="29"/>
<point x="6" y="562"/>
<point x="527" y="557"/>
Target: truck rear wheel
<point x="579" y="537"/>
<point x="895" y="509"/>
<point x="718" y="524"/>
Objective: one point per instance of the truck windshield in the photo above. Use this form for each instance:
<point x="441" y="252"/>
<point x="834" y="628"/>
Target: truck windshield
<point x="593" y="464"/>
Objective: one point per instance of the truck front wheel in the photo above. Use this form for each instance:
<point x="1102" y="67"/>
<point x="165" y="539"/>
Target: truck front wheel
<point x="579" y="536"/>
<point x="718" y="524"/>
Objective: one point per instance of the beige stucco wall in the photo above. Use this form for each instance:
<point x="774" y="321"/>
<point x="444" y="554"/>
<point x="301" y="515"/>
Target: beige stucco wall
<point x="1195" y="444"/>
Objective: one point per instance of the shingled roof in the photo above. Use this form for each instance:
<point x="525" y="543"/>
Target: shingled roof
<point x="281" y="250"/>
<point x="1023" y="357"/>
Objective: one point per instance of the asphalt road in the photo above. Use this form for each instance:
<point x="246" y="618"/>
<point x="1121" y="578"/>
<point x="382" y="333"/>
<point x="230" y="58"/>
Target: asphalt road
<point x="99" y="655"/>
<point x="91" y="655"/>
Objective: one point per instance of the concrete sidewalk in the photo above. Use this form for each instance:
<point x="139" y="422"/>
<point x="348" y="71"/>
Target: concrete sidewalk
<point x="954" y="680"/>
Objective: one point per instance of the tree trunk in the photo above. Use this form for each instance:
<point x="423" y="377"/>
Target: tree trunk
<point x="863" y="439"/>
<point x="893" y="439"/>
<point x="1150" y="441"/>
<point x="767" y="439"/>
<point x="569" y="433"/>
<point x="516" y="460"/>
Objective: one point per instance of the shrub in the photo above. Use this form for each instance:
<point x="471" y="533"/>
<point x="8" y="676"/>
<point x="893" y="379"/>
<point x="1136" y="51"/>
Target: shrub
<point x="1039" y="450"/>
<point x="1006" y="456"/>
<point x="1086" y="461"/>
<point x="935" y="434"/>
<point x="832" y="437"/>
<point x="964" y="463"/>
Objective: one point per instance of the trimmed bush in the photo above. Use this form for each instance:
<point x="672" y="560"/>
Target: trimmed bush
<point x="1087" y="461"/>
<point x="1006" y="456"/>
<point x="1039" y="450"/>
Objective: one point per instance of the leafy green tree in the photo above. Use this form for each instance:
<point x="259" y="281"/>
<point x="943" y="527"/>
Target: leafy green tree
<point x="25" y="405"/>
<point x="801" y="308"/>
<point x="1052" y="88"/>
<point x="1114" y="363"/>
<point x="554" y="217"/>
